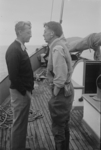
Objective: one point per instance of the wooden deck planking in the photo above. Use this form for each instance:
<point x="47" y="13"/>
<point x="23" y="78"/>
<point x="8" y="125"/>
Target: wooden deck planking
<point x="45" y="123"/>
<point x="48" y="120"/>
<point x="80" y="141"/>
<point x="83" y="135"/>
<point x="76" y="136"/>
<point x="39" y="134"/>
<point x="36" y="134"/>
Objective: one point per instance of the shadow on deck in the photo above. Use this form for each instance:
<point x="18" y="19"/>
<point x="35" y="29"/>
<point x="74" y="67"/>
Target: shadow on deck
<point x="39" y="135"/>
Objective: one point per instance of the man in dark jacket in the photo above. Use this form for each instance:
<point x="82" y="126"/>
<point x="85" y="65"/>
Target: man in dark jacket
<point x="21" y="78"/>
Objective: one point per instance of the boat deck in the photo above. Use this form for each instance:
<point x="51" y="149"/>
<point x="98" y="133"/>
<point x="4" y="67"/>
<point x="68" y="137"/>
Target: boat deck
<point x="39" y="134"/>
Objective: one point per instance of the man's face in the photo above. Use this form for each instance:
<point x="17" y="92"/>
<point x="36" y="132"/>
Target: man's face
<point x="47" y="34"/>
<point x="26" y="34"/>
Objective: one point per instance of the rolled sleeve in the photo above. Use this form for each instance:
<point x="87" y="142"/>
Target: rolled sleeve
<point x="59" y="67"/>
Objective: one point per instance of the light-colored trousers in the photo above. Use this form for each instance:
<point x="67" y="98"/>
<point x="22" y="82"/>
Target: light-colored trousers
<point x="20" y="107"/>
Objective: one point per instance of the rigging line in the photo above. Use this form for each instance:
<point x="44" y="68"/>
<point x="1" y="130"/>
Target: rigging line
<point x="51" y="10"/>
<point x="61" y="14"/>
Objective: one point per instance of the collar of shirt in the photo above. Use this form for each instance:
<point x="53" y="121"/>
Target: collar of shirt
<point x="22" y="45"/>
<point x="61" y="37"/>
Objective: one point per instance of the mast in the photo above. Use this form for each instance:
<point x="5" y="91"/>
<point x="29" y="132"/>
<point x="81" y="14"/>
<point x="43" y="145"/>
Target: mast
<point x="61" y="14"/>
<point x="52" y="10"/>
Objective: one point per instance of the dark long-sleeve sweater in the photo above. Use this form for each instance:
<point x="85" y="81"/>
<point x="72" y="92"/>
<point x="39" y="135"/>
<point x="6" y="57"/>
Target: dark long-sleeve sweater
<point x="19" y="68"/>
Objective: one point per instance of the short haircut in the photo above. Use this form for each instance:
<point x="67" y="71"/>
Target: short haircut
<point x="55" y="27"/>
<point x="21" y="26"/>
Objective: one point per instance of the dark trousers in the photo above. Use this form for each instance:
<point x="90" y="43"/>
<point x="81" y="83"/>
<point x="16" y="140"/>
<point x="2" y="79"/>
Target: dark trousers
<point x="60" y="108"/>
<point x="20" y="106"/>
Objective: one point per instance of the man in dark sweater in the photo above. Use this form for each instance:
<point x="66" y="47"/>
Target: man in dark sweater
<point x="21" y="78"/>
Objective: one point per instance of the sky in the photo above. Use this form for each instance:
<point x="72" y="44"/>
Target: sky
<point x="80" y="17"/>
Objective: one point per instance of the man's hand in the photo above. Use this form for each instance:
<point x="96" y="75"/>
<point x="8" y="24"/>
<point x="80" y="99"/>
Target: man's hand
<point x="56" y="90"/>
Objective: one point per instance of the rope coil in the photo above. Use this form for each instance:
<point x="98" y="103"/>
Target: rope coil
<point x="6" y="117"/>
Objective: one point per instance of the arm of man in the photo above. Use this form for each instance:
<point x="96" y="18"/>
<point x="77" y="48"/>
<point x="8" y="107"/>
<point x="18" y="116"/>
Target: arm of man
<point x="69" y="63"/>
<point x="13" y="63"/>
